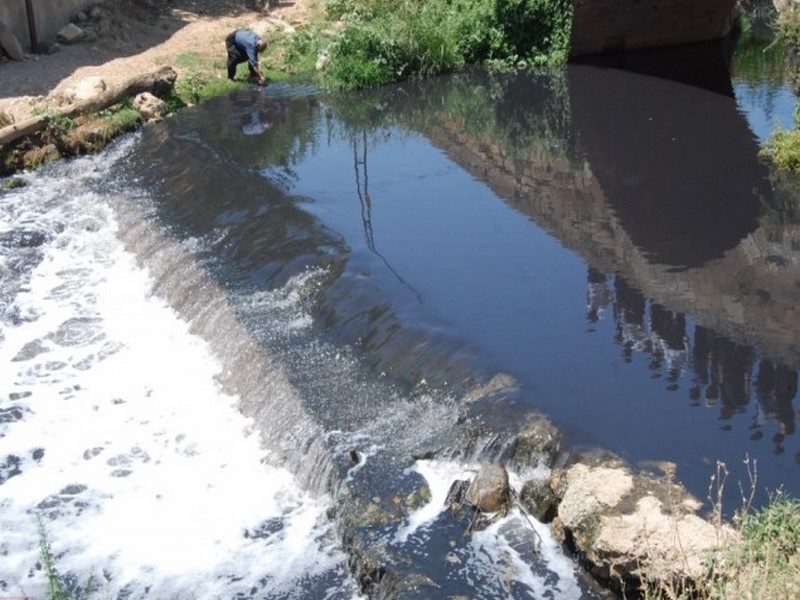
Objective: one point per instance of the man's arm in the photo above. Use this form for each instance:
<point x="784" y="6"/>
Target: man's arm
<point x="252" y="57"/>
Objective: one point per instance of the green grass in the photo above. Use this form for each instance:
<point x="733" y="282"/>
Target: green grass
<point x="123" y="118"/>
<point x="198" y="86"/>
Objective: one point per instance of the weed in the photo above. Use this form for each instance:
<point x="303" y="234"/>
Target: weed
<point x="5" y="119"/>
<point x="764" y="561"/>
<point x="198" y="86"/>
<point x="57" y="586"/>
<point x="122" y="118"/>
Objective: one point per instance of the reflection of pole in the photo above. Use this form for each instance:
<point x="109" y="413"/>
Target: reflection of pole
<point x="366" y="203"/>
<point x="32" y="27"/>
<point x="366" y="209"/>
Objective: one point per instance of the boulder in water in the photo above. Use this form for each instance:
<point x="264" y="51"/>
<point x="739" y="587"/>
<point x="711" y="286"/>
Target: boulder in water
<point x="632" y="527"/>
<point x="151" y="107"/>
<point x="489" y="491"/>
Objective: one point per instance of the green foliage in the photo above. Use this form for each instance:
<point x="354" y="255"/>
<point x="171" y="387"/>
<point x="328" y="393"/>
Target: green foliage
<point x="766" y="564"/>
<point x="122" y="118"/>
<point x="61" y="123"/>
<point x="383" y="41"/>
<point x="774" y="530"/>
<point x="783" y="150"/>
<point x="198" y="86"/>
<point x="787" y="27"/>
<point x="297" y="53"/>
<point x="537" y="31"/>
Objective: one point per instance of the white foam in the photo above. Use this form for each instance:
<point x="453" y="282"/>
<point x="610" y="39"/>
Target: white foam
<point x="141" y="469"/>
<point x="515" y="555"/>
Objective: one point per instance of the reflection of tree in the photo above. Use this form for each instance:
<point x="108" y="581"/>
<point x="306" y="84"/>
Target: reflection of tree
<point x="725" y="370"/>
<point x="721" y="371"/>
<point x="523" y="113"/>
<point x="776" y="387"/>
<point x="598" y="296"/>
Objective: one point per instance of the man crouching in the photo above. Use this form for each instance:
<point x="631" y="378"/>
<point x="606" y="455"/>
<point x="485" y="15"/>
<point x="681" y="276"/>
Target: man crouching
<point x="244" y="45"/>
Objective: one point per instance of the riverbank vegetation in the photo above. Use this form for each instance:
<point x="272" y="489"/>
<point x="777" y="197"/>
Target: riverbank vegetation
<point x="782" y="149"/>
<point x="383" y="41"/>
<point x="763" y="565"/>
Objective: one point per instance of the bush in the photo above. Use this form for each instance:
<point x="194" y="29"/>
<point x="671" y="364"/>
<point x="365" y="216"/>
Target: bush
<point x="783" y="149"/>
<point x="538" y="31"/>
<point x="383" y="42"/>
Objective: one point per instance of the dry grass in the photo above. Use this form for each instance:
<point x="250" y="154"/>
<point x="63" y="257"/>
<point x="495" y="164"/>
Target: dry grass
<point x="763" y="563"/>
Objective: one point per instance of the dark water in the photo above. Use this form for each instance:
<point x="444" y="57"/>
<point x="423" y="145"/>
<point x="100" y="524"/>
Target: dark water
<point x="607" y="237"/>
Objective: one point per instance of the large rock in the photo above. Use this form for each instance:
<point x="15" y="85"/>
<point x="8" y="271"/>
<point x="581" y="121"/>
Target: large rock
<point x="633" y="527"/>
<point x="10" y="43"/>
<point x="151" y="107"/>
<point x="489" y="491"/>
<point x="537" y="443"/>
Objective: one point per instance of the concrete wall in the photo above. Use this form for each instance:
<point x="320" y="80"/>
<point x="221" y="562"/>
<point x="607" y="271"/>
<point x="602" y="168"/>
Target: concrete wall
<point x="49" y="16"/>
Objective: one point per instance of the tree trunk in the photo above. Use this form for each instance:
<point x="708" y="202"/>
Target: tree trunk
<point x="157" y="82"/>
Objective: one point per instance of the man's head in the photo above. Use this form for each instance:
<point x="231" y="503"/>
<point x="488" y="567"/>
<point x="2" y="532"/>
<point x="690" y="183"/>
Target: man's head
<point x="261" y="46"/>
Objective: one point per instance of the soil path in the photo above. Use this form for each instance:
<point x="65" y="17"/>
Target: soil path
<point x="133" y="37"/>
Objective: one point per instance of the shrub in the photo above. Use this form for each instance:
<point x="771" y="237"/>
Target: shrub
<point x="382" y="42"/>
<point x="783" y="149"/>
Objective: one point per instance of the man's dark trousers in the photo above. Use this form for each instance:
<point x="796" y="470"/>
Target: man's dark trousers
<point x="235" y="55"/>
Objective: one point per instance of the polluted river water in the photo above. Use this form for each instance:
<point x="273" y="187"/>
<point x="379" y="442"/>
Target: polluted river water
<point x="202" y="325"/>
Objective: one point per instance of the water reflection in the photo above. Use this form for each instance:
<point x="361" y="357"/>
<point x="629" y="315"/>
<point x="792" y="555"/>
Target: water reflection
<point x="608" y="238"/>
<point x="657" y="184"/>
<point x="720" y="373"/>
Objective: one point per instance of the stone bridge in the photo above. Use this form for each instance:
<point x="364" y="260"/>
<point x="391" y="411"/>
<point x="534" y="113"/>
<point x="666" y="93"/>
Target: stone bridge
<point x="613" y="25"/>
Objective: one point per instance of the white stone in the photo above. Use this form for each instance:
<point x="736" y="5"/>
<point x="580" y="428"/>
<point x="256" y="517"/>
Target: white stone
<point x="589" y="490"/>
<point x="89" y="87"/>
<point x="70" y="33"/>
<point x="151" y="107"/>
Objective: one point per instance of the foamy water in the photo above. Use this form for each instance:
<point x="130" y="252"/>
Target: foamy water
<point x="122" y="451"/>
<point x="118" y="443"/>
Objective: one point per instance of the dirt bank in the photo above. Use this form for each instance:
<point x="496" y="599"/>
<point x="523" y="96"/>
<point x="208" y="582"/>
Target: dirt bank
<point x="133" y="37"/>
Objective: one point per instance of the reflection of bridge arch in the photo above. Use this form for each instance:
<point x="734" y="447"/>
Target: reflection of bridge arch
<point x="744" y="283"/>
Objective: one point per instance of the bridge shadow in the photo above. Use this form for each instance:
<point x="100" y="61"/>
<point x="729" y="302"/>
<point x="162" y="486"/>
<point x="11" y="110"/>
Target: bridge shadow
<point x="127" y="28"/>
